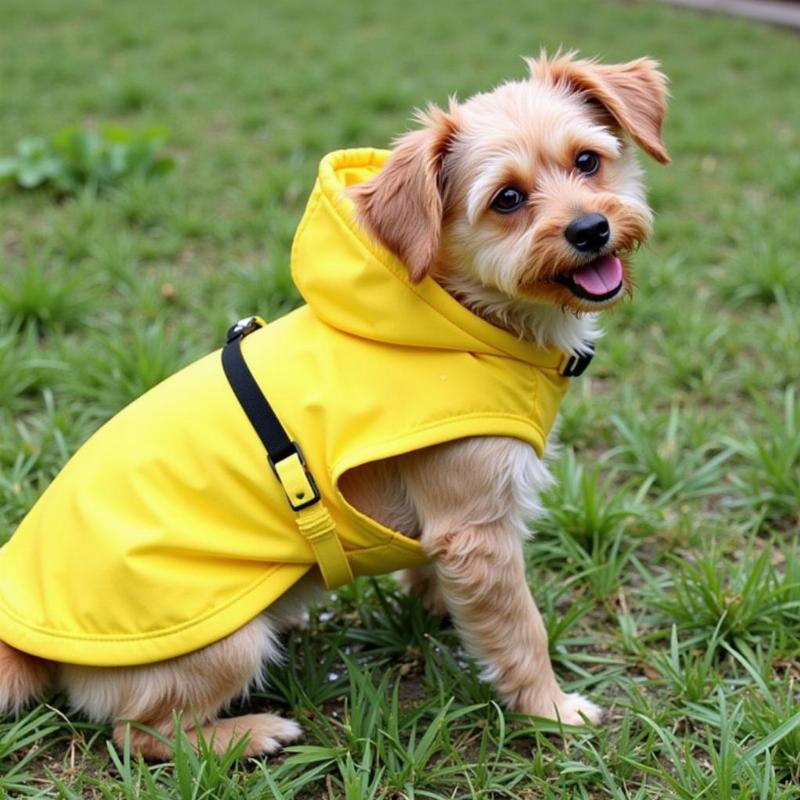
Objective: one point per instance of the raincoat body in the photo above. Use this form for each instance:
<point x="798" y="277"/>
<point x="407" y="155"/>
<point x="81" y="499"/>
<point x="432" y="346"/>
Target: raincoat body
<point x="167" y="530"/>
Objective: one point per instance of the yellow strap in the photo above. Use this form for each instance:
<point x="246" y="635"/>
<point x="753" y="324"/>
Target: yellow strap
<point x="315" y="523"/>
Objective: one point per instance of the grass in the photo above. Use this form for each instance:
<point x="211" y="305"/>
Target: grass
<point x="668" y="568"/>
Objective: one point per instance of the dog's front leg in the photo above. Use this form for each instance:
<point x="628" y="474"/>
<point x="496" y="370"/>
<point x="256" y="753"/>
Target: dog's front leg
<point x="467" y="498"/>
<point x="481" y="578"/>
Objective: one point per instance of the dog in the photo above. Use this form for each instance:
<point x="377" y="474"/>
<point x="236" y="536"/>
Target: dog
<point x="523" y="205"/>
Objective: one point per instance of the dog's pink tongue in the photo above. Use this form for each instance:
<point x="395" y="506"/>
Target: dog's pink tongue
<point x="601" y="276"/>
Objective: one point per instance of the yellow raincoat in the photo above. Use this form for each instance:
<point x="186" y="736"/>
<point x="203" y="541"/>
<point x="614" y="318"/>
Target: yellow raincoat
<point x="167" y="530"/>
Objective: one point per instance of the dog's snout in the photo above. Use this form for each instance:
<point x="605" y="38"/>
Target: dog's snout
<point x="588" y="233"/>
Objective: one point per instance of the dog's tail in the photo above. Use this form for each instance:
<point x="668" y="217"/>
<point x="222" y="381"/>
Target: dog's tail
<point x="22" y="678"/>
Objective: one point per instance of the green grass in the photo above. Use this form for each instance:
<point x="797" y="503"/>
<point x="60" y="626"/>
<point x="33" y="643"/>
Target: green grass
<point x="668" y="570"/>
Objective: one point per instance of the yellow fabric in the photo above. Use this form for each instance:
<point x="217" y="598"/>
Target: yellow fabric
<point x="314" y="522"/>
<point x="319" y="530"/>
<point x="167" y="530"/>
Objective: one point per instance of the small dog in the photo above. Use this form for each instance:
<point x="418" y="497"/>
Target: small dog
<point x="522" y="203"/>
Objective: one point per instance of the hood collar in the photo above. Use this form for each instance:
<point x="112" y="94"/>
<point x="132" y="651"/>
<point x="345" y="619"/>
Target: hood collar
<point x="356" y="285"/>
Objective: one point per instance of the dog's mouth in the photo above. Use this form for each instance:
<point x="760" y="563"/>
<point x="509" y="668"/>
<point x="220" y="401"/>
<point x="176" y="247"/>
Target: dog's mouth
<point x="598" y="281"/>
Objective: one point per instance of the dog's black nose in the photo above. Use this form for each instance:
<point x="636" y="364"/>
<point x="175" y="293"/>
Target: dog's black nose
<point x="588" y="233"/>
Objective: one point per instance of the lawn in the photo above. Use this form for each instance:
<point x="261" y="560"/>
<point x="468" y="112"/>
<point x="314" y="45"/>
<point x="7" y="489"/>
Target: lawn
<point x="668" y="568"/>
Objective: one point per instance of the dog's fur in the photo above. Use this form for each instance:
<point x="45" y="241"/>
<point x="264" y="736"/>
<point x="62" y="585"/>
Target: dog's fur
<point x="468" y="501"/>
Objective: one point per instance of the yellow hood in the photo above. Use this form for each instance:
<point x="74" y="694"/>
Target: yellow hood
<point x="364" y="290"/>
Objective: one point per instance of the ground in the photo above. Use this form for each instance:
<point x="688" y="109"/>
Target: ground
<point x="668" y="569"/>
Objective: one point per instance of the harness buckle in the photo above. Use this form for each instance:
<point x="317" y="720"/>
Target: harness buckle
<point x="244" y="327"/>
<point x="577" y="365"/>
<point x="294" y="476"/>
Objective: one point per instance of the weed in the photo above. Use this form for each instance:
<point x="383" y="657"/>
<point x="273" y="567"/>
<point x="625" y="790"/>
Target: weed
<point x="22" y="369"/>
<point x="74" y="158"/>
<point x="727" y="599"/>
<point x="42" y="293"/>
<point x="661" y="451"/>
<point x="139" y="360"/>
<point x="590" y="509"/>
<point x="691" y="671"/>
<point x="21" y="743"/>
<point x="769" y="483"/>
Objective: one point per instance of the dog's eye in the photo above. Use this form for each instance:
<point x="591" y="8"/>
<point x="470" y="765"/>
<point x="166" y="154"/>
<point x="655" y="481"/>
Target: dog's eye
<point x="508" y="199"/>
<point x="587" y="162"/>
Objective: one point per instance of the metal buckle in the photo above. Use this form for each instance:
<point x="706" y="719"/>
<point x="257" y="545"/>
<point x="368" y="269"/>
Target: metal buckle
<point x="577" y="365"/>
<point x="309" y="477"/>
<point x="243" y="327"/>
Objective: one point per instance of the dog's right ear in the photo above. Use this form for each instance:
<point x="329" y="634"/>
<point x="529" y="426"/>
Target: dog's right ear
<point x="402" y="205"/>
<point x="635" y="94"/>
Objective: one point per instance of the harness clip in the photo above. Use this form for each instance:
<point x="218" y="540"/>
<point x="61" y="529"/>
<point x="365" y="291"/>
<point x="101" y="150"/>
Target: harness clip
<point x="294" y="476"/>
<point x="577" y="365"/>
<point x="244" y="327"/>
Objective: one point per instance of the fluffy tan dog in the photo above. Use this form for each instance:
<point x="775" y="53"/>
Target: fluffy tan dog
<point x="523" y="203"/>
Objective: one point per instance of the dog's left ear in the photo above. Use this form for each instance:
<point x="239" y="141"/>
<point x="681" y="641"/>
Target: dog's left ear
<point x="402" y="205"/>
<point x="635" y="94"/>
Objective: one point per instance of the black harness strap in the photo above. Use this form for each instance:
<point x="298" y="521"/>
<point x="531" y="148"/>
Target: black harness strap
<point x="264" y="420"/>
<point x="269" y="429"/>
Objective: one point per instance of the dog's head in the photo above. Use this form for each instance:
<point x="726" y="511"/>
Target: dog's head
<point x="531" y="190"/>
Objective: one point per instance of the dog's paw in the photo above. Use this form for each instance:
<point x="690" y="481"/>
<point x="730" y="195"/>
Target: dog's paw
<point x="269" y="733"/>
<point x="575" y="709"/>
<point x="570" y="709"/>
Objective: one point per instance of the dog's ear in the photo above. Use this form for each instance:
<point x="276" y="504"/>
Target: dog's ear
<point x="635" y="94"/>
<point x="402" y="205"/>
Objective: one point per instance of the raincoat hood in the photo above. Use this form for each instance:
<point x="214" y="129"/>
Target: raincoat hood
<point x="366" y="291"/>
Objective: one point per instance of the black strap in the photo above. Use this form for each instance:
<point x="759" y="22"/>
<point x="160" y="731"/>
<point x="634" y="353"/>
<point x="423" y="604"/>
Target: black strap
<point x="274" y="438"/>
<point x="264" y="420"/>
